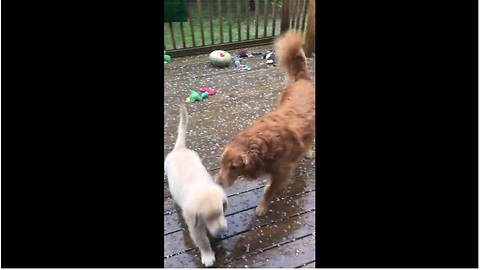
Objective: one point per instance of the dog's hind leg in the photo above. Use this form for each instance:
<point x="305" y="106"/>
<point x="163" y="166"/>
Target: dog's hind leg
<point x="277" y="181"/>
<point x="198" y="233"/>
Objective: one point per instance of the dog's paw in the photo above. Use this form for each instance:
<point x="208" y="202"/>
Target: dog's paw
<point x="208" y="259"/>
<point x="309" y="154"/>
<point x="261" y="210"/>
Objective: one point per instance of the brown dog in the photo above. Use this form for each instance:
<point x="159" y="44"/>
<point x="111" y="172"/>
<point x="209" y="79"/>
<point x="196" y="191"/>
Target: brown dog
<point x="274" y="144"/>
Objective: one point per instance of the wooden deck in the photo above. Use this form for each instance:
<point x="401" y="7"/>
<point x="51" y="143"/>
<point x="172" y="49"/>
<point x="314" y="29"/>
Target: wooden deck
<point x="285" y="237"/>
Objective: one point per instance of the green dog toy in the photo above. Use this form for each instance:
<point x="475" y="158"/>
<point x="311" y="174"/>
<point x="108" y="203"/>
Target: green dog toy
<point x="237" y="62"/>
<point x="166" y="57"/>
<point x="194" y="96"/>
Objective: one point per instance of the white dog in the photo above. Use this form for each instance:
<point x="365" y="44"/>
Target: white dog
<point x="202" y="201"/>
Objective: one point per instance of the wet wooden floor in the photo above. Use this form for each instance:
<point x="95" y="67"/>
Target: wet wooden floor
<point x="285" y="237"/>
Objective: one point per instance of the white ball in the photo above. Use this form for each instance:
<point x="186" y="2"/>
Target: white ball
<point x="220" y="58"/>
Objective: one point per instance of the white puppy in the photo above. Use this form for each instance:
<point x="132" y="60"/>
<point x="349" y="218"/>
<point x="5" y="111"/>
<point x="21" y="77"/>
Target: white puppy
<point x="202" y="201"/>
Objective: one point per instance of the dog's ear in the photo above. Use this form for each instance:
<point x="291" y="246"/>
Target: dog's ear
<point x="223" y="153"/>
<point x="249" y="165"/>
<point x="257" y="152"/>
<point x="249" y="160"/>
<point x="246" y="160"/>
<point x="253" y="163"/>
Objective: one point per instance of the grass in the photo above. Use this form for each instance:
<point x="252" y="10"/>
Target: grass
<point x="224" y="23"/>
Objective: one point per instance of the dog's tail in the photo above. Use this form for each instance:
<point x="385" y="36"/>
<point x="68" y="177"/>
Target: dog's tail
<point x="182" y="128"/>
<point x="291" y="57"/>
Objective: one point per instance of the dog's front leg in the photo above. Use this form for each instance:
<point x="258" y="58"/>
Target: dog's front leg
<point x="198" y="232"/>
<point x="277" y="181"/>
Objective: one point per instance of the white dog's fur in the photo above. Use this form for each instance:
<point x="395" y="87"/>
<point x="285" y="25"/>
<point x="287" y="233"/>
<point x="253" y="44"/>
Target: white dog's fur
<point x="202" y="201"/>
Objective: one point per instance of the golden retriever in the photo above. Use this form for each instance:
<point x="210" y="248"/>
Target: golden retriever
<point x="202" y="201"/>
<point x="274" y="144"/>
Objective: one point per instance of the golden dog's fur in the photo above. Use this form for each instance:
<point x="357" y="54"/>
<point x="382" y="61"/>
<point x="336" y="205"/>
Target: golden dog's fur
<point x="274" y="144"/>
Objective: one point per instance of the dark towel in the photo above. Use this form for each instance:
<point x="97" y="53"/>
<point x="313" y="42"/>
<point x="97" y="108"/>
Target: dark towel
<point x="175" y="11"/>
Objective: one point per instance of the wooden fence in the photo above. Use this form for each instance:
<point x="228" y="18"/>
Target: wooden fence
<point x="232" y="24"/>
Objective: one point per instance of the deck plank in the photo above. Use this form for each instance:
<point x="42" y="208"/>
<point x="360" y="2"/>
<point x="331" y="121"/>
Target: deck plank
<point x="287" y="255"/>
<point x="259" y="232"/>
<point x="246" y="220"/>
<point x="246" y="200"/>
<point x="308" y="265"/>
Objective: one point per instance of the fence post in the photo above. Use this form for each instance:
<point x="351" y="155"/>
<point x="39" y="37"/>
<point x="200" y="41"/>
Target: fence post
<point x="310" y="36"/>
<point x="284" y="24"/>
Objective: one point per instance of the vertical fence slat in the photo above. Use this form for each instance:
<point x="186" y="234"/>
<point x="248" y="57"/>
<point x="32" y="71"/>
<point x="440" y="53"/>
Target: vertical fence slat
<point x="199" y="6"/>
<point x="220" y="20"/>
<point x="285" y="17"/>
<point x="190" y="19"/>
<point x="256" y="17"/>
<point x="248" y="18"/>
<point x="229" y="8"/>
<point x="183" y="35"/>
<point x="273" y="16"/>
<point x="209" y="2"/>
<point x="265" y="17"/>
<point x="172" y="35"/>
<point x="310" y="36"/>
<point x="293" y="5"/>
<point x="239" y="20"/>
<point x="299" y="14"/>
<point x="290" y="14"/>
<point x="304" y="14"/>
